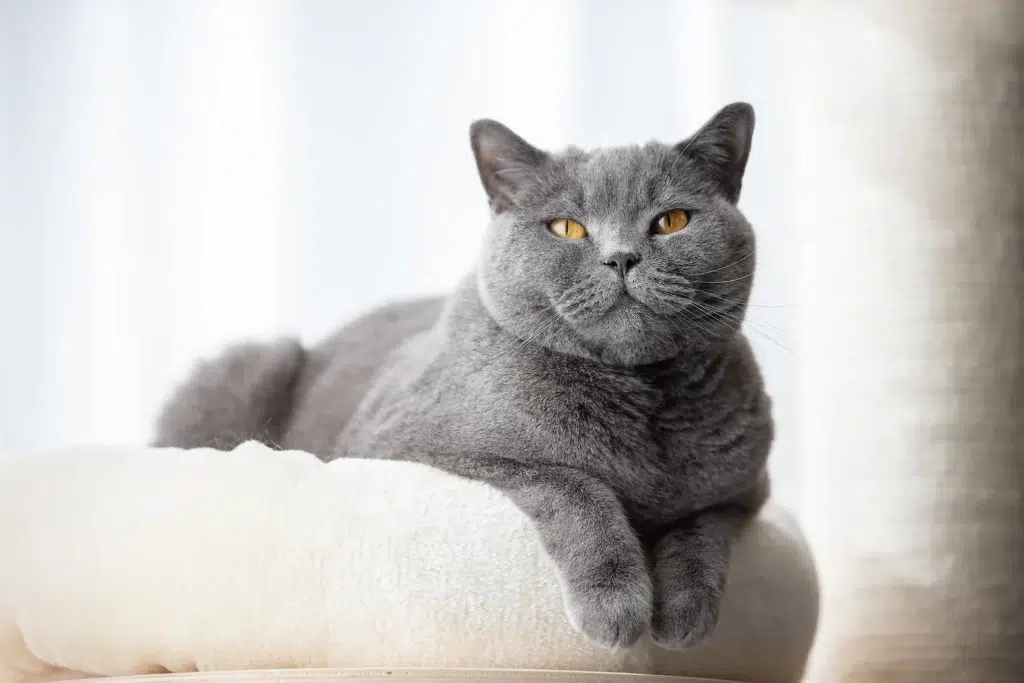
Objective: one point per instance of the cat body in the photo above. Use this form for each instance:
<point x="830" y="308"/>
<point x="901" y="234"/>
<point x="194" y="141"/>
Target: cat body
<point x="669" y="439"/>
<point x="592" y="368"/>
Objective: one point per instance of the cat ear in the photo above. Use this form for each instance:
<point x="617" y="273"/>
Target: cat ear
<point x="722" y="146"/>
<point x="505" y="161"/>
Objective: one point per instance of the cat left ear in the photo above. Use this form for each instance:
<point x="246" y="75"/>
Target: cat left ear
<point x="722" y="146"/>
<point x="505" y="161"/>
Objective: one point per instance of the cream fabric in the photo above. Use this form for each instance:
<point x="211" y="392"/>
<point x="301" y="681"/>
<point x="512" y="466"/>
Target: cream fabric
<point x="130" y="560"/>
<point x="912" y="287"/>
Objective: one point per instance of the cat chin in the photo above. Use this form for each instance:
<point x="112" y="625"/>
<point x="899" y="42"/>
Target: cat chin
<point x="636" y="355"/>
<point x="627" y="336"/>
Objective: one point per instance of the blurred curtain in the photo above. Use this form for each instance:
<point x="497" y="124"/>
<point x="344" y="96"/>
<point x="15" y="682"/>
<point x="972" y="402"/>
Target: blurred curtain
<point x="180" y="174"/>
<point x="912" y="336"/>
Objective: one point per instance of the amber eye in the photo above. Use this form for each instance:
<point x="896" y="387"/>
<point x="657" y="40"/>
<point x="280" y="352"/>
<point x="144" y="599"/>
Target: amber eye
<point x="670" y="222"/>
<point x="567" y="228"/>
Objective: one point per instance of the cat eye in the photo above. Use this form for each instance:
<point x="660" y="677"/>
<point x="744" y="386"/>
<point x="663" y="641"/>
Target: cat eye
<point x="567" y="228"/>
<point x="670" y="222"/>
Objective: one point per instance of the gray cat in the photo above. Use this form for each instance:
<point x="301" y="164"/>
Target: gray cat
<point x="592" y="368"/>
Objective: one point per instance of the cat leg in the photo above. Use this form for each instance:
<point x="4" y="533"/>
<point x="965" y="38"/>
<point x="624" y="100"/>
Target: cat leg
<point x="583" y="527"/>
<point x="690" y="567"/>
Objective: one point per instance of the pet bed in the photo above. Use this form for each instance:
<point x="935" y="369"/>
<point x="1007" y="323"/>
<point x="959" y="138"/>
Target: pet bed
<point x="127" y="561"/>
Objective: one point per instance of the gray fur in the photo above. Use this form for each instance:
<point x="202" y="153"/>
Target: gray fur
<point x="251" y="386"/>
<point x="624" y="414"/>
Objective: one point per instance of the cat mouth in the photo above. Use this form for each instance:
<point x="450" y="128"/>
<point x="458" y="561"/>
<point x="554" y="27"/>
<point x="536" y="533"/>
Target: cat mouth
<point x="629" y="298"/>
<point x="626" y="303"/>
<point x="603" y="307"/>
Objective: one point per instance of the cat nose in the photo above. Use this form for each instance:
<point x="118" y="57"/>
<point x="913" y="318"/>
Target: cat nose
<point x="622" y="261"/>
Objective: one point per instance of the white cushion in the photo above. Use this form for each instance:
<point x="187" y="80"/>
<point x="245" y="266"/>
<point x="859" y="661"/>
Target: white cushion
<point x="120" y="561"/>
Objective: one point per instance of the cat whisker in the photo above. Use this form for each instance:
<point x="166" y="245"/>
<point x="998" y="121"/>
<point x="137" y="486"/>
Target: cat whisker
<point x="543" y="331"/>
<point x="726" y="314"/>
<point x="733" y="301"/>
<point x="739" y="304"/>
<point x="729" y="265"/>
<point x="731" y="320"/>
<point x="722" y="282"/>
<point x="697" y="326"/>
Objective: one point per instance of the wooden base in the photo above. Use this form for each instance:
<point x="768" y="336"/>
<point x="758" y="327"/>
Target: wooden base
<point x="409" y="676"/>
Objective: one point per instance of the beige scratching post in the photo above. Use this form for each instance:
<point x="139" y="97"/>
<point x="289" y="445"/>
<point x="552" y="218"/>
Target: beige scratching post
<point x="912" y="336"/>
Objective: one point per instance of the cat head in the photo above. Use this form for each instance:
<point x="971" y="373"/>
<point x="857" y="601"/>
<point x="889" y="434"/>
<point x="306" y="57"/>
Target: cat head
<point x="628" y="255"/>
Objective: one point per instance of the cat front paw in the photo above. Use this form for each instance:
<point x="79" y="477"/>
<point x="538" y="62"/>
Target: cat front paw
<point x="684" y="619"/>
<point x="614" y="612"/>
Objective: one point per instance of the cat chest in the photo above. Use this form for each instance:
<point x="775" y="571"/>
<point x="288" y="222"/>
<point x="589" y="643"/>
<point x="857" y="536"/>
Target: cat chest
<point x="664" y="456"/>
<point x="615" y="435"/>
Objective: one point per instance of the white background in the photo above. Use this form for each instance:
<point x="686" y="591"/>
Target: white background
<point x="177" y="175"/>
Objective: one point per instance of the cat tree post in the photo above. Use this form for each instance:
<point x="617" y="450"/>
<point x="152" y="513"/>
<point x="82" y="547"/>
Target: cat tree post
<point x="912" y="335"/>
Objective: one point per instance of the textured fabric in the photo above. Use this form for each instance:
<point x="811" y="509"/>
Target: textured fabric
<point x="120" y="561"/>
<point x="912" y="335"/>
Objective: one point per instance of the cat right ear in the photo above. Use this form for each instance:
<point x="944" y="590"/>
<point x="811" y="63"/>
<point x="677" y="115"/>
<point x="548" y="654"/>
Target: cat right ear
<point x="505" y="161"/>
<point x="722" y="145"/>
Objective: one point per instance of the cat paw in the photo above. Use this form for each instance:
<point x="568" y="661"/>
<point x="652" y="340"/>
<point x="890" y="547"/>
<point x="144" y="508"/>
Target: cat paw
<point x="685" y="619"/>
<point x="612" y="614"/>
